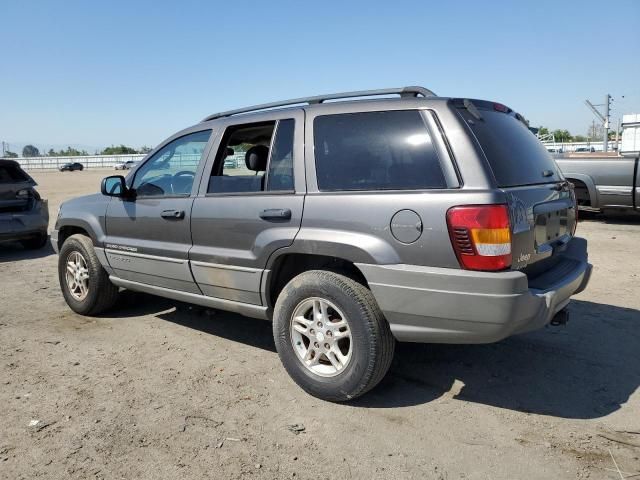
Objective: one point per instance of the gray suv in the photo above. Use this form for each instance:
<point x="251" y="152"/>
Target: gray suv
<point x="355" y="221"/>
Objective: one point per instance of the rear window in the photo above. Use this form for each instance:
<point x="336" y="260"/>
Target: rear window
<point x="515" y="155"/>
<point x="375" y="151"/>
<point x="12" y="174"/>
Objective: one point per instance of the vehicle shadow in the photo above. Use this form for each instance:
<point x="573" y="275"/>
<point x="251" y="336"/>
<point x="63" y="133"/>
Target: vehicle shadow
<point x="231" y="326"/>
<point x="14" y="252"/>
<point x="586" y="369"/>
<point x="611" y="217"/>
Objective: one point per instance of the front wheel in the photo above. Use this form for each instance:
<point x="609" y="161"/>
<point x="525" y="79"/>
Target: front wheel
<point x="331" y="336"/>
<point x="85" y="284"/>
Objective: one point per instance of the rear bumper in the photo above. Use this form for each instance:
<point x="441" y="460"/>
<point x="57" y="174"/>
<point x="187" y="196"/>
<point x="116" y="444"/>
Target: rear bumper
<point x="441" y="305"/>
<point x="22" y="225"/>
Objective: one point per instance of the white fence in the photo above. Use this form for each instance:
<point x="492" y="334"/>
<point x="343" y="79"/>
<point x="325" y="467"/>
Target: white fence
<point x="110" y="161"/>
<point x="567" y="147"/>
<point x="92" y="161"/>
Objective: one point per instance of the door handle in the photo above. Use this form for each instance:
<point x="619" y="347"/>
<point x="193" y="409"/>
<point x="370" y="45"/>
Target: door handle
<point x="275" y="214"/>
<point x="174" y="214"/>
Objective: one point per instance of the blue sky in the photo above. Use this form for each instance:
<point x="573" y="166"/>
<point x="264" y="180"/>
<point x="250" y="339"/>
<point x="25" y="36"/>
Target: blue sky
<point x="134" y="72"/>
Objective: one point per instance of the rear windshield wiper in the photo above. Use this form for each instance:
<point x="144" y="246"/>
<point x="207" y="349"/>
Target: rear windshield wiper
<point x="472" y="109"/>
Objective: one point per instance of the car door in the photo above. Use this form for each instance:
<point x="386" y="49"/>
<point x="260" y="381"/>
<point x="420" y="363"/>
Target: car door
<point x="243" y="213"/>
<point x="147" y="235"/>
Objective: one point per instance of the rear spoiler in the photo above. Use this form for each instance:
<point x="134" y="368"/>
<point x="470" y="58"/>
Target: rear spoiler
<point x="474" y="107"/>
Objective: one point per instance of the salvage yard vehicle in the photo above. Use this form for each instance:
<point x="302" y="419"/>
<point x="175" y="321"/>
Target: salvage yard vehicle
<point x="604" y="183"/>
<point x="71" y="167"/>
<point x="356" y="223"/>
<point x="128" y="165"/>
<point x="24" y="216"/>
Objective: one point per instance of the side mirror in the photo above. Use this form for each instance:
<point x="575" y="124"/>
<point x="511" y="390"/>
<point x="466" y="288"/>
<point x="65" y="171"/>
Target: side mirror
<point x="114" y="186"/>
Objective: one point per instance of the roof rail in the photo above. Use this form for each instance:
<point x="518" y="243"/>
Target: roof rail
<point x="403" y="92"/>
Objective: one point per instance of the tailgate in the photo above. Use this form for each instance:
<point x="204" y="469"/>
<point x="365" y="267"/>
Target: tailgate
<point x="541" y="202"/>
<point x="543" y="219"/>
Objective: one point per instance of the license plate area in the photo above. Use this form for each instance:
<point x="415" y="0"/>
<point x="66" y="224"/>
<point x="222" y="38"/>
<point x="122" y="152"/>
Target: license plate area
<point x="551" y="228"/>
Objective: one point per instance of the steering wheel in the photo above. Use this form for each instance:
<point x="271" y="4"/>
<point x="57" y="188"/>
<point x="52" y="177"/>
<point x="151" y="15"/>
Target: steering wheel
<point x="182" y="180"/>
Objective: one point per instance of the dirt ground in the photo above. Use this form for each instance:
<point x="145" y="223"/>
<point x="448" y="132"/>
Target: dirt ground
<point x="160" y="390"/>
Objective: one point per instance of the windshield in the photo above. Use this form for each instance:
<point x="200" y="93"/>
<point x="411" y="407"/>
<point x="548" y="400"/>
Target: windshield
<point x="515" y="155"/>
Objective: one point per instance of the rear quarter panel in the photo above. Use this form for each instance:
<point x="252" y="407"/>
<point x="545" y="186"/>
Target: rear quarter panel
<point x="356" y="226"/>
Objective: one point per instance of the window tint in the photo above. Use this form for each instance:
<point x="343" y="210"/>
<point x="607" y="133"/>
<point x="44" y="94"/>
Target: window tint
<point x="172" y="169"/>
<point x="375" y="151"/>
<point x="241" y="161"/>
<point x="11" y="173"/>
<point x="281" y="163"/>
<point x="515" y="155"/>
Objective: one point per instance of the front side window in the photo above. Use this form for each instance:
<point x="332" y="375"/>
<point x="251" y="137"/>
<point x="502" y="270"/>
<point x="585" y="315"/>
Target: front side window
<point x="171" y="170"/>
<point x="389" y="150"/>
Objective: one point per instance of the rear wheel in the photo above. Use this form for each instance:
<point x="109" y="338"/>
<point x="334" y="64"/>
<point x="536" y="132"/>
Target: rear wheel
<point x="85" y="284"/>
<point x="331" y="335"/>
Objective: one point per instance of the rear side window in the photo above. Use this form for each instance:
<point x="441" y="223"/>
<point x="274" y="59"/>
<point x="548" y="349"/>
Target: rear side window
<point x="11" y="174"/>
<point x="515" y="155"/>
<point x="375" y="151"/>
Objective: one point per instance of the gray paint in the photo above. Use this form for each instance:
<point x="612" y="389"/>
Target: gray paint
<point x="253" y="311"/>
<point x="612" y="182"/>
<point x="436" y="305"/>
<point x="221" y="253"/>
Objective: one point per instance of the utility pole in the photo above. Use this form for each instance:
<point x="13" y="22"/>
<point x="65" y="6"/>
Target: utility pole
<point x="604" y="118"/>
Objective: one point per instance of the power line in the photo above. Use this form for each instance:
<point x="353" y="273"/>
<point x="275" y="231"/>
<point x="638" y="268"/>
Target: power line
<point x="603" y="117"/>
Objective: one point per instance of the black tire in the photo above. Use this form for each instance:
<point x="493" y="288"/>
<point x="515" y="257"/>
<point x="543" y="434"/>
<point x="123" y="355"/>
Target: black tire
<point x="102" y="294"/>
<point x="35" y="243"/>
<point x="372" y="342"/>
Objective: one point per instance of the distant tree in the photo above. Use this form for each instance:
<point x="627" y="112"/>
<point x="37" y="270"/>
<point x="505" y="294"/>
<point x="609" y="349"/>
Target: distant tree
<point x="543" y="131"/>
<point x="30" y="151"/>
<point x="612" y="134"/>
<point x="579" y="138"/>
<point x="118" y="150"/>
<point x="69" y="152"/>
<point x="8" y="154"/>
<point x="562" y="135"/>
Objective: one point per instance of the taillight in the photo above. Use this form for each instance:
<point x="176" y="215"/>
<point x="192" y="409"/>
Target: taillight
<point x="481" y="236"/>
<point x="574" y="199"/>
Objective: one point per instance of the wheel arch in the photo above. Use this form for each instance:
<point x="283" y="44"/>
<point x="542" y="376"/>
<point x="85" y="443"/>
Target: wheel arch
<point x="589" y="184"/>
<point x="289" y="264"/>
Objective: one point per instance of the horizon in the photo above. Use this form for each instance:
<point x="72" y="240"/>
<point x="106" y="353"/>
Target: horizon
<point x="136" y="74"/>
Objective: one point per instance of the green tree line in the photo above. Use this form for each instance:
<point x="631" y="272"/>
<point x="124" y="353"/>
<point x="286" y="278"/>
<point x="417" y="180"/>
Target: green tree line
<point x="566" y="136"/>
<point x="32" y="151"/>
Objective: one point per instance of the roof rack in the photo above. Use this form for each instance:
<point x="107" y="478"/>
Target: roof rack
<point x="403" y="92"/>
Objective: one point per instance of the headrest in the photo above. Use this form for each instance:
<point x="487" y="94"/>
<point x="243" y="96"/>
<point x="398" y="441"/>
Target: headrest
<point x="256" y="158"/>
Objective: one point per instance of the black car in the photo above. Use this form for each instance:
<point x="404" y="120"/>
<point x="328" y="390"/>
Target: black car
<point x="70" y="167"/>
<point x="24" y="215"/>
